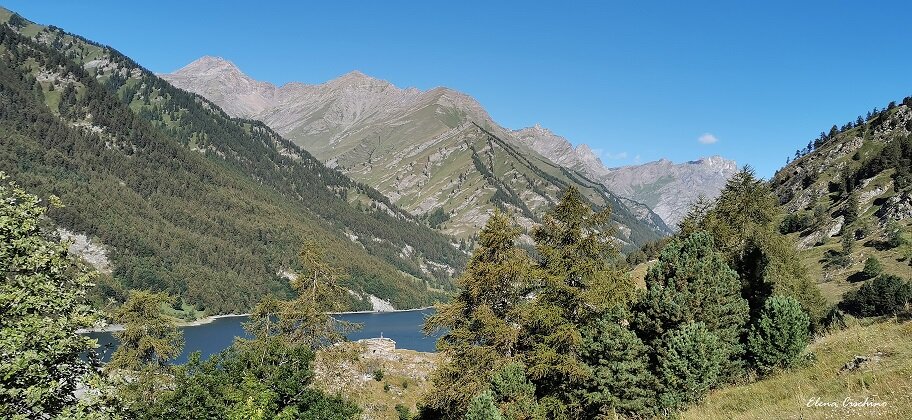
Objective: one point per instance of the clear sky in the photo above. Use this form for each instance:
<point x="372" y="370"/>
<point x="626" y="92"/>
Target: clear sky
<point x="636" y="80"/>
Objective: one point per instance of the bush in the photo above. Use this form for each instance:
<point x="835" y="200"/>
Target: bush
<point x="689" y="365"/>
<point x="778" y="337"/>
<point x="872" y="268"/>
<point x="482" y="407"/>
<point x="885" y="295"/>
<point x="796" y="222"/>
<point x="895" y="237"/>
<point x="378" y="375"/>
<point x="620" y="380"/>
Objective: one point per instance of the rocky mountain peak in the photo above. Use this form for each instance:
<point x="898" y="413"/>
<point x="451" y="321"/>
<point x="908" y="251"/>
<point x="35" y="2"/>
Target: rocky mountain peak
<point x="208" y="65"/>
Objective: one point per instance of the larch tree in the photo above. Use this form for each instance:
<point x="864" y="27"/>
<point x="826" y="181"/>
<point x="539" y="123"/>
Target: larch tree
<point x="481" y="323"/>
<point x="579" y="281"/>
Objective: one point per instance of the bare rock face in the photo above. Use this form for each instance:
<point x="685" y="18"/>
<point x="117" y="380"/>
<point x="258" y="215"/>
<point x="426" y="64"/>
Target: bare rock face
<point x="667" y="188"/>
<point x="425" y="150"/>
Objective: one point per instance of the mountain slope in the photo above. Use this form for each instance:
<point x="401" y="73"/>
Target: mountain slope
<point x="432" y="152"/>
<point x="186" y="199"/>
<point x="853" y="181"/>
<point x="667" y="188"/>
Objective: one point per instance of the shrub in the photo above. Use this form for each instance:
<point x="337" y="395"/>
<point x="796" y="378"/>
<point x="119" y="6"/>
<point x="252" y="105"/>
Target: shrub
<point x="895" y="237"/>
<point x="482" y="407"/>
<point x="796" y="222"/>
<point x="620" y="380"/>
<point x="778" y="337"/>
<point x="884" y="295"/>
<point x="689" y="365"/>
<point x="872" y="268"/>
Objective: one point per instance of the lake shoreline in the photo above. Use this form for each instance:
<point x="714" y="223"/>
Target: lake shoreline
<point x="212" y="318"/>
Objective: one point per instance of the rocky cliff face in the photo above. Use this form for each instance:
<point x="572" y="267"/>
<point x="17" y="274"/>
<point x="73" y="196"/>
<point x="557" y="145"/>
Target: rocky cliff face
<point x="667" y="188"/>
<point x="426" y="150"/>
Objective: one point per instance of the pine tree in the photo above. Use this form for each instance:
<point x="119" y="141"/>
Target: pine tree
<point x="691" y="282"/>
<point x="579" y="283"/>
<point x="744" y="223"/>
<point x="43" y="299"/>
<point x="689" y="365"/>
<point x="872" y="268"/>
<point x="778" y="337"/>
<point x="621" y="383"/>
<point x="482" y="407"/>
<point x="481" y="323"/>
<point x="514" y="393"/>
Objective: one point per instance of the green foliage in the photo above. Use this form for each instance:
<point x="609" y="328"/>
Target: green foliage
<point x="149" y="339"/>
<point x="691" y="282"/>
<point x="403" y="412"/>
<point x="42" y="297"/>
<point x="621" y="383"/>
<point x="378" y="375"/>
<point x="872" y="268"/>
<point x="689" y="365"/>
<point x="796" y="222"/>
<point x="482" y="407"/>
<point x="895" y="238"/>
<point x="580" y="282"/>
<point x="176" y="213"/>
<point x="481" y="322"/>
<point x="148" y="342"/>
<point x="778" y="337"/>
<point x="262" y="378"/>
<point x="742" y="222"/>
<point x="885" y="295"/>
<point x="514" y="393"/>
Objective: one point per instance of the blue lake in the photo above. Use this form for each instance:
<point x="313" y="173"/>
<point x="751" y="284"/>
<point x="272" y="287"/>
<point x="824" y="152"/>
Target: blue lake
<point x="402" y="327"/>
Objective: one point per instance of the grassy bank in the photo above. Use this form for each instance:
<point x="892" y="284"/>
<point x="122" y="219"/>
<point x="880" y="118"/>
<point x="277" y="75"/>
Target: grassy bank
<point x="887" y="378"/>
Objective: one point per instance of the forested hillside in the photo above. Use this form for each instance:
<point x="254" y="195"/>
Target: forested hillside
<point x="185" y="199"/>
<point x="849" y="198"/>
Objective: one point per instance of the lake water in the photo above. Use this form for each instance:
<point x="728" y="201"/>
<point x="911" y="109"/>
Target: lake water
<point x="402" y="327"/>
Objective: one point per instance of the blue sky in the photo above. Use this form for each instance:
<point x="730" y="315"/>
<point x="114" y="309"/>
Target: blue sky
<point x="637" y="81"/>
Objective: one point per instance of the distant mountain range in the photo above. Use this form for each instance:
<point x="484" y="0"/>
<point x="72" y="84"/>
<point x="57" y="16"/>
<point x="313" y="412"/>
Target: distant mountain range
<point x="667" y="188"/>
<point x="432" y="152"/>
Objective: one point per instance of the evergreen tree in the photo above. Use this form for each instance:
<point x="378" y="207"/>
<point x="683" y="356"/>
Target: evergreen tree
<point x="42" y="297"/>
<point x="885" y="295"/>
<point x="482" y="407"/>
<point x="744" y="223"/>
<point x="689" y="365"/>
<point x="514" y="393"/>
<point x="691" y="282"/>
<point x="148" y="342"/>
<point x="579" y="283"/>
<point x="872" y="268"/>
<point x="621" y="383"/>
<point x="481" y="323"/>
<point x="778" y="337"/>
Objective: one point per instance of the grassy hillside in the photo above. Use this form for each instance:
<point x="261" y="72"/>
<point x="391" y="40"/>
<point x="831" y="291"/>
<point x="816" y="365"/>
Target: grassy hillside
<point x="185" y="199"/>
<point x="849" y="198"/>
<point x="887" y="378"/>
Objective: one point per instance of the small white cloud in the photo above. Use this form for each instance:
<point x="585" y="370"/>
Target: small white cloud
<point x="707" y="138"/>
<point x="636" y="159"/>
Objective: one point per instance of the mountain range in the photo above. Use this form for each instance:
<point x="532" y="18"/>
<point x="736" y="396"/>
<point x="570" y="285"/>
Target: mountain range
<point x="175" y="195"/>
<point x="668" y="188"/>
<point x="417" y="146"/>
